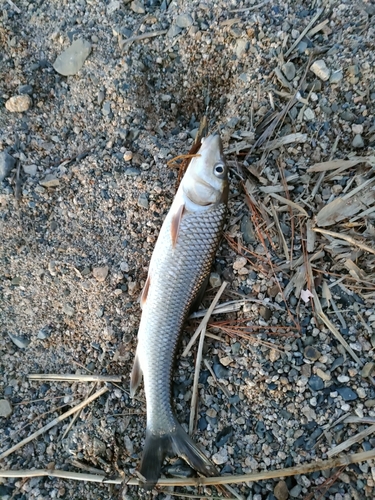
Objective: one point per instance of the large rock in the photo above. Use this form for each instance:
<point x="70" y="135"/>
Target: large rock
<point x="72" y="59"/>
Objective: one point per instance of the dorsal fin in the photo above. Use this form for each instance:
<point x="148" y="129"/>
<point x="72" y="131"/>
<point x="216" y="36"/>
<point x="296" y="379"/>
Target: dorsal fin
<point x="145" y="291"/>
<point x="175" y="225"/>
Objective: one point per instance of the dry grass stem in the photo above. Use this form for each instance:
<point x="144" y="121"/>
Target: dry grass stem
<point x="14" y="6"/>
<point x="77" y="415"/>
<point x="149" y="34"/>
<point x="290" y="203"/>
<point x="72" y="377"/>
<point x="194" y="397"/>
<point x="334" y="330"/>
<point x="345" y="237"/>
<point x="303" y="33"/>
<point x="222" y="387"/>
<point x="54" y="422"/>
<point x="204" y="321"/>
<point x="352" y="440"/>
<point x="308" y="468"/>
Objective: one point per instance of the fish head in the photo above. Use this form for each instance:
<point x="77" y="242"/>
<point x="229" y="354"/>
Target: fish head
<point x="205" y="183"/>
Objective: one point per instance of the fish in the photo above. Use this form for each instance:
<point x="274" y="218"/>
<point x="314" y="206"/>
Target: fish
<point x="178" y="274"/>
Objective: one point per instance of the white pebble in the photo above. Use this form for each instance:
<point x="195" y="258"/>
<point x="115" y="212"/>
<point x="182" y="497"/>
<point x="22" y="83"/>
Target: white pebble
<point x="319" y="68"/>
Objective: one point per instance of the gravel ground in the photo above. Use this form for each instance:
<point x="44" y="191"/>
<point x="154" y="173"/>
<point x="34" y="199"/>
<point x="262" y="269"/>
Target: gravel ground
<point x="84" y="139"/>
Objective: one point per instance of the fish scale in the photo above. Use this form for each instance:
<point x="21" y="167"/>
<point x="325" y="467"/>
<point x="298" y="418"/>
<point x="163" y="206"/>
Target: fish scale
<point x="179" y="266"/>
<point x="191" y="261"/>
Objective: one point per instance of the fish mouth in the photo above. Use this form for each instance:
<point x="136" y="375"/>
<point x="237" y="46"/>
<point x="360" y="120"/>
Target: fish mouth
<point x="212" y="141"/>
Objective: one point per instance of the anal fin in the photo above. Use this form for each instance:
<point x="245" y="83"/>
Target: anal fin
<point x="135" y="377"/>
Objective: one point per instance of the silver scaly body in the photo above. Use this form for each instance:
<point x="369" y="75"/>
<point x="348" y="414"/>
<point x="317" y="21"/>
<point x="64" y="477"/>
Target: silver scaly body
<point x="180" y="264"/>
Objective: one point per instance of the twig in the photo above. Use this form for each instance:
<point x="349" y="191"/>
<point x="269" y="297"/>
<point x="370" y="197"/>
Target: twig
<point x="222" y="387"/>
<point x="149" y="34"/>
<point x="77" y="415"/>
<point x="352" y="440"/>
<point x="204" y="321"/>
<point x="290" y="203"/>
<point x="306" y="30"/>
<point x="333" y="329"/>
<point x="194" y="397"/>
<point x="345" y="237"/>
<point x="74" y="376"/>
<point x="253" y="7"/>
<point x="14" y="6"/>
<point x="54" y="422"/>
<point x="205" y="481"/>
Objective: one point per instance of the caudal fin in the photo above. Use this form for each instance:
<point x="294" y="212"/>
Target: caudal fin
<point x="178" y="443"/>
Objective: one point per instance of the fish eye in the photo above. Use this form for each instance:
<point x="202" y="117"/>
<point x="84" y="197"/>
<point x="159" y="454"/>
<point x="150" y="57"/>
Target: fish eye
<point x="219" y="169"/>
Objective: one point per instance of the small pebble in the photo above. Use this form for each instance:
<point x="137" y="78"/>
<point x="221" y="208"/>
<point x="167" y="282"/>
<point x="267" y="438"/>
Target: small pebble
<point x="5" y="408"/>
<point x="72" y="59"/>
<point x="215" y="280"/>
<point x="220" y="457"/>
<point x="7" y="163"/>
<point x="49" y="181"/>
<point x="358" y="142"/>
<point x="128" y="155"/>
<point x="25" y="89"/>
<point x="30" y="169"/>
<point x="138" y="7"/>
<point x="281" y="491"/>
<point x="45" y="332"/>
<point x="100" y="273"/>
<point x="19" y="341"/>
<point x="220" y="371"/>
<point x="68" y="309"/>
<point x="143" y="201"/>
<point x="347" y="394"/>
<point x="316" y="383"/>
<point x="311" y="353"/>
<point x="336" y="76"/>
<point x="309" y="114"/>
<point x="239" y="263"/>
<point x="18" y="103"/>
<point x="295" y="492"/>
<point x="319" y="68"/>
<point x="184" y="21"/>
<point x="289" y="70"/>
<point x="368" y="369"/>
<point x="227" y="360"/>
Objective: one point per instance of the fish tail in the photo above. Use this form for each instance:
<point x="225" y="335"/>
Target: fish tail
<point x="179" y="443"/>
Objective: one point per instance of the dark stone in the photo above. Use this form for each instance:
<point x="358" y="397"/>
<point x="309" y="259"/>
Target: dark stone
<point x="203" y="376"/>
<point x="316" y="383"/>
<point x="202" y="424"/>
<point x="260" y="429"/>
<point x="223" y="436"/>
<point x="25" y="89"/>
<point x="272" y="386"/>
<point x="347" y="394"/>
<point x="338" y="362"/>
<point x="220" y="371"/>
<point x="299" y="443"/>
<point x="311" y="353"/>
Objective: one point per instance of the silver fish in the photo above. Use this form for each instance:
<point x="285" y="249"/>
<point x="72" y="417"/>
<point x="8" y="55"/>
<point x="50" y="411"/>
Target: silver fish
<point x="179" y="267"/>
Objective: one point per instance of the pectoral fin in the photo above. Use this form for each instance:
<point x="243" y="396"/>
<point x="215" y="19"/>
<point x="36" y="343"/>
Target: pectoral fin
<point x="175" y="226"/>
<point x="135" y="377"/>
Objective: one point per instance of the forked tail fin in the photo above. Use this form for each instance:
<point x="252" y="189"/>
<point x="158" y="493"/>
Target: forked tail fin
<point x="178" y="443"/>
